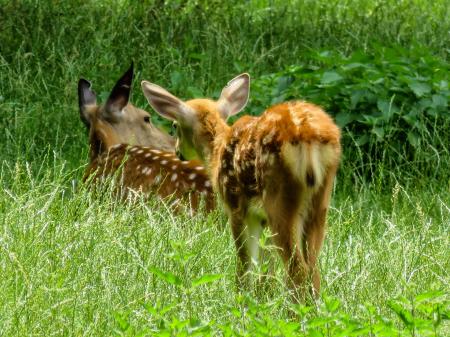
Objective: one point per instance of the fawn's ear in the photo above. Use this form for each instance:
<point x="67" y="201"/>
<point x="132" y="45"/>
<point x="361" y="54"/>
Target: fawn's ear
<point x="164" y="103"/>
<point x="86" y="97"/>
<point x="120" y="94"/>
<point x="234" y="96"/>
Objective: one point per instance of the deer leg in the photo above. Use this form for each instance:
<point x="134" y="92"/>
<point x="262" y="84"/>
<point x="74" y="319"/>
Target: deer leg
<point x="314" y="230"/>
<point x="282" y="204"/>
<point x="246" y="232"/>
<point x="243" y="259"/>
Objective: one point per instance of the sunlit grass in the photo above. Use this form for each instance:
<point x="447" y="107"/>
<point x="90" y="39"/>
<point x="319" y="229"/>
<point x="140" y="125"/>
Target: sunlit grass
<point x="74" y="263"/>
<point x="71" y="262"/>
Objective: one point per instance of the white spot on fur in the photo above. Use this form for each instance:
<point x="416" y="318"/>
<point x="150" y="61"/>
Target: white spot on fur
<point x="199" y="168"/>
<point x="224" y="180"/>
<point x="133" y="149"/>
<point x="164" y="162"/>
<point x="273" y="117"/>
<point x="155" y="151"/>
<point x="138" y="167"/>
<point x="174" y="167"/>
<point x="207" y="183"/>
<point x="174" y="177"/>
<point x="192" y="176"/>
<point x="148" y="155"/>
<point x="294" y="115"/>
<point x="167" y="155"/>
<point x="269" y="137"/>
<point x="140" y="152"/>
<point x="157" y="179"/>
<point x="116" y="146"/>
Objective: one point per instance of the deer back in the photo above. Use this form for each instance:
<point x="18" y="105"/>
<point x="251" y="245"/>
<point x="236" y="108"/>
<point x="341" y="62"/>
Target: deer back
<point x="149" y="171"/>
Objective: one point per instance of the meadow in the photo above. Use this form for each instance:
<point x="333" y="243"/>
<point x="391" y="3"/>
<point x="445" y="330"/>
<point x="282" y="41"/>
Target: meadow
<point x="73" y="263"/>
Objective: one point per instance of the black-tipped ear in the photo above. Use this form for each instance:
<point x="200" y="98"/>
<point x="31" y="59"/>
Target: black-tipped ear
<point x="86" y="96"/>
<point x="120" y="94"/>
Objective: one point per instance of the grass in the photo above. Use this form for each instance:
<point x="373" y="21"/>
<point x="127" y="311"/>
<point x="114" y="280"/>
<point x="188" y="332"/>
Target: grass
<point x="74" y="264"/>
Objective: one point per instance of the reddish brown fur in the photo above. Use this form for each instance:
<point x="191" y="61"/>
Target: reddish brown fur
<point x="131" y="128"/>
<point x="249" y="166"/>
<point x="150" y="166"/>
<point x="150" y="171"/>
<point x="277" y="169"/>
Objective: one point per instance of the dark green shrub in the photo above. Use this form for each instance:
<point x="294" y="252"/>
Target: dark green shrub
<point x="392" y="104"/>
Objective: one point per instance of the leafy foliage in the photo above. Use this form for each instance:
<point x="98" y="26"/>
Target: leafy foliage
<point x="426" y="314"/>
<point x="395" y="99"/>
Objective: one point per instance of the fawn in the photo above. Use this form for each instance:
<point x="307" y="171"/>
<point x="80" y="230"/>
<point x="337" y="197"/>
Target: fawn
<point x="124" y="141"/>
<point x="277" y="170"/>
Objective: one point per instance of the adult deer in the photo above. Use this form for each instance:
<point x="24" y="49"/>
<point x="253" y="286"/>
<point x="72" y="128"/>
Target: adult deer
<point x="124" y="142"/>
<point x="276" y="169"/>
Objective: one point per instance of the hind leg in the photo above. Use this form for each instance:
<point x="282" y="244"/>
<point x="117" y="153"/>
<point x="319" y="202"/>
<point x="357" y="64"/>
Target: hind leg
<point x="246" y="230"/>
<point x="314" y="229"/>
<point x="282" y="202"/>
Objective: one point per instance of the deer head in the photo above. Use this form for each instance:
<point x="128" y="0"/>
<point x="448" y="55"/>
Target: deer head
<point x="276" y="169"/>
<point x="118" y="121"/>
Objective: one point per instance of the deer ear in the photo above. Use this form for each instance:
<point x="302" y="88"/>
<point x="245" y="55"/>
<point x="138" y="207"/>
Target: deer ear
<point x="86" y="97"/>
<point x="164" y="103"/>
<point x="234" y="96"/>
<point x="120" y="94"/>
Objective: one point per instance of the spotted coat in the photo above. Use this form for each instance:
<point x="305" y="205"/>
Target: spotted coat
<point x="153" y="172"/>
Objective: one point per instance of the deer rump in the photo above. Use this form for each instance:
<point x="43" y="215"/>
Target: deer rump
<point x="292" y="144"/>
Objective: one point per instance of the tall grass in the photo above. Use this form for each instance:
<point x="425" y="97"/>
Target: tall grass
<point x="76" y="265"/>
<point x="73" y="264"/>
<point x="47" y="45"/>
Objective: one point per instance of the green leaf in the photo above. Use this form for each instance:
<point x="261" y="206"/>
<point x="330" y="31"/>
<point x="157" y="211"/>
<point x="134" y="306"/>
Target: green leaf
<point x="315" y="333"/>
<point x="356" y="97"/>
<point x="330" y="77"/>
<point x="176" y="78"/>
<point x="429" y="295"/>
<point x="419" y="88"/>
<point x="386" y="108"/>
<point x="331" y="304"/>
<point x="362" y="140"/>
<point x="439" y="101"/>
<point x="283" y="83"/>
<point x="194" y="92"/>
<point x="354" y="65"/>
<point x="197" y="56"/>
<point x="166" y="276"/>
<point x="344" y="118"/>
<point x="413" y="138"/>
<point x="207" y="278"/>
<point x="121" y="320"/>
<point x="403" y="313"/>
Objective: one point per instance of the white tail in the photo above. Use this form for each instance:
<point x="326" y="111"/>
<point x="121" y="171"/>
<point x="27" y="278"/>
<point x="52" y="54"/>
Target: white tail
<point x="276" y="169"/>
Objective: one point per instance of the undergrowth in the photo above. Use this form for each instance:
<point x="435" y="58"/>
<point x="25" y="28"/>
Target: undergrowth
<point x="75" y="264"/>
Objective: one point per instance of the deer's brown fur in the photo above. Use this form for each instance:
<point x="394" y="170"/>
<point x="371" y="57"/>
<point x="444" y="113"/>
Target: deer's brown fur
<point x="146" y="170"/>
<point x="148" y="165"/>
<point x="276" y="169"/>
